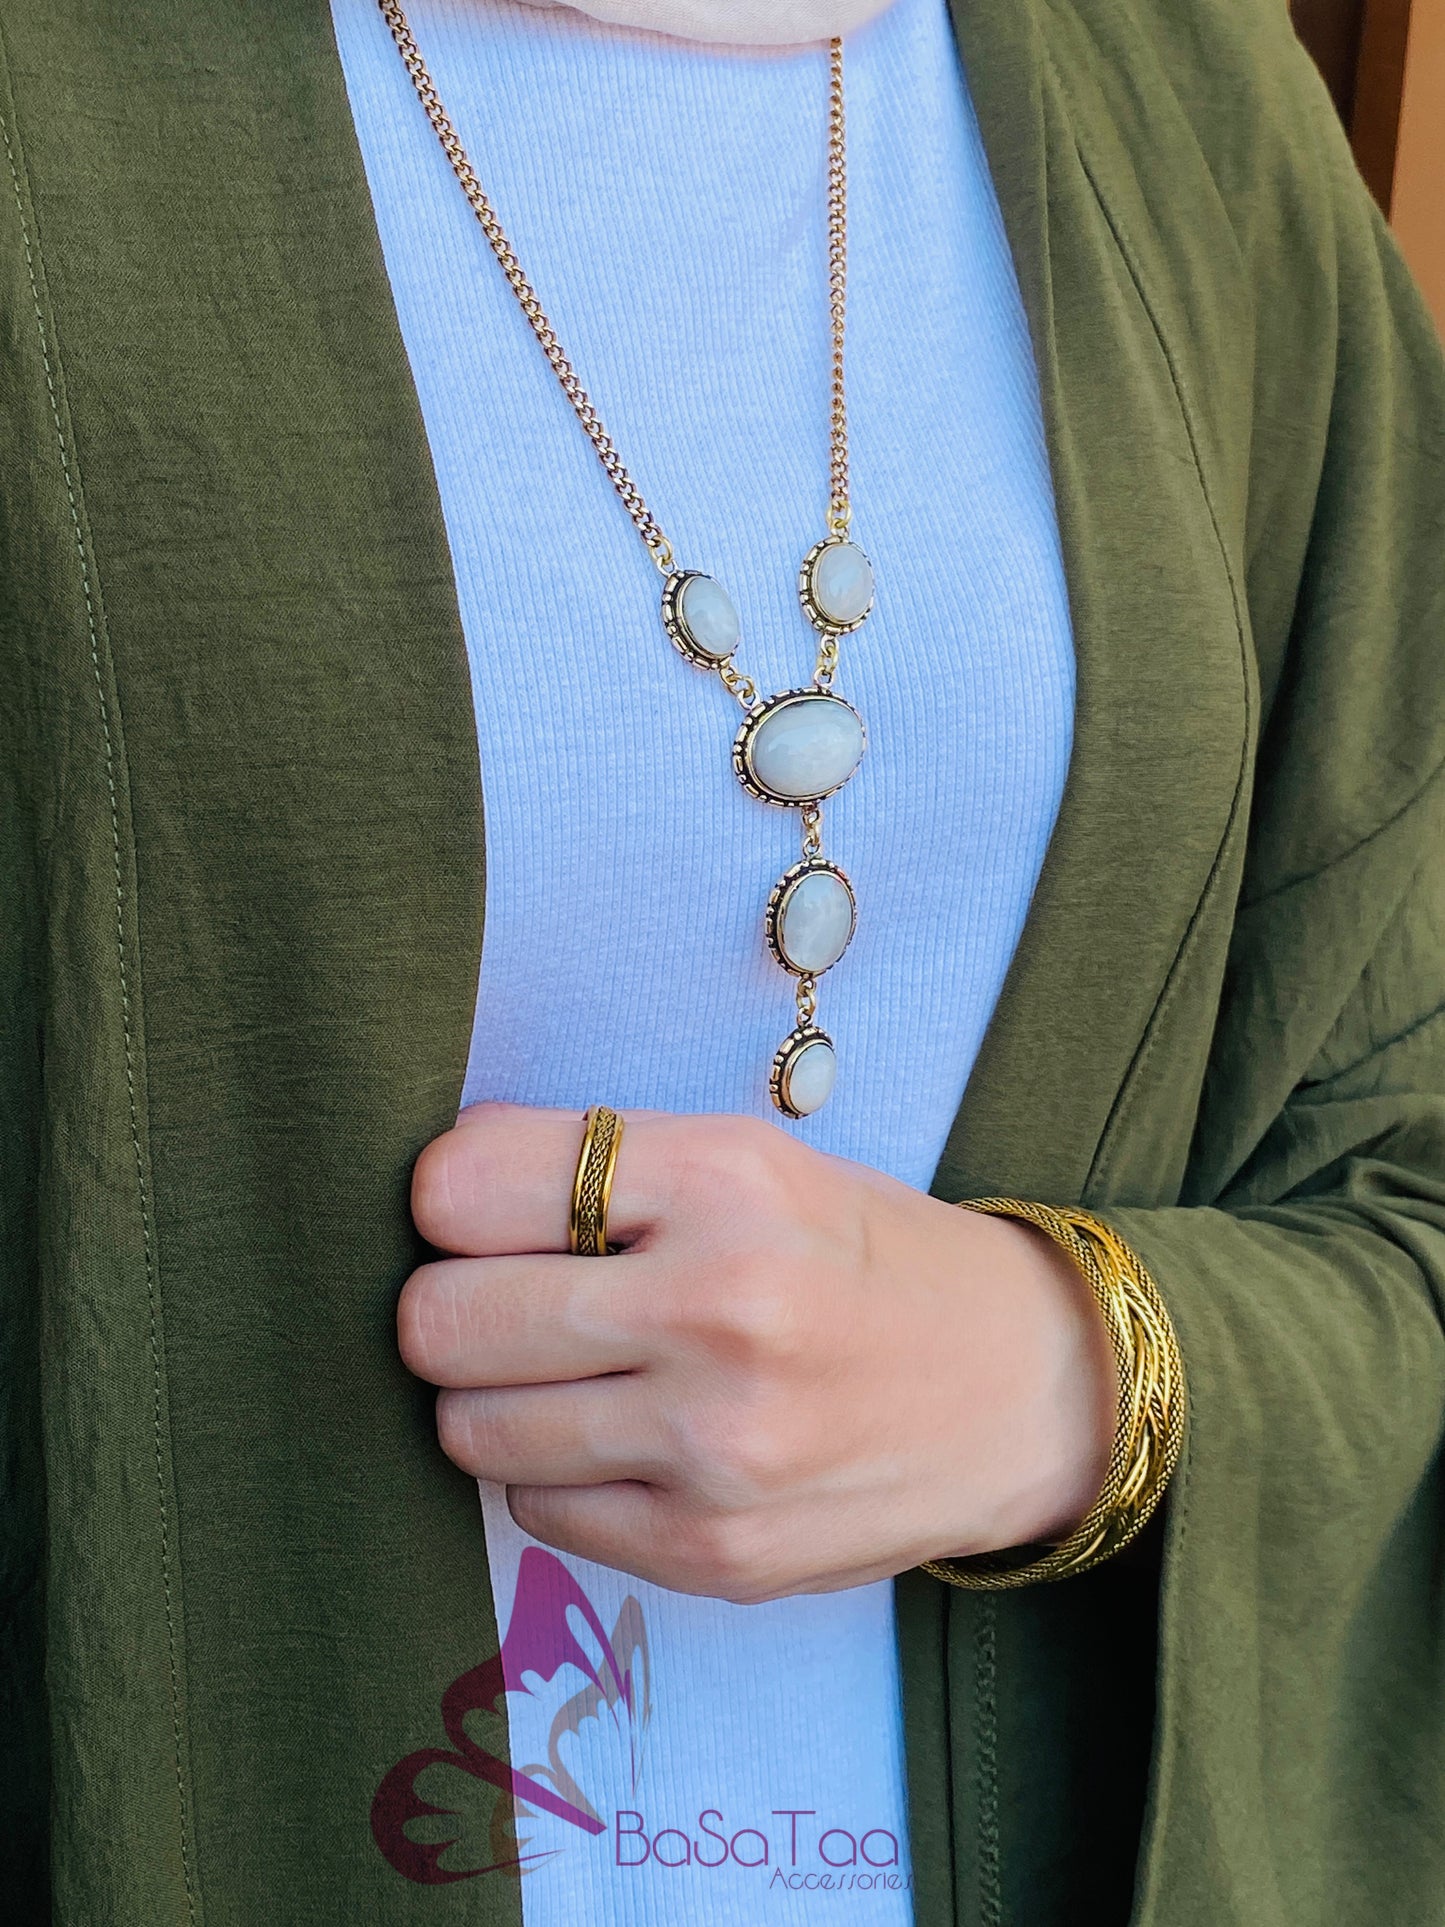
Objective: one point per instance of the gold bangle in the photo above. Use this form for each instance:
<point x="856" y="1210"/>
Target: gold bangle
<point x="592" y="1184"/>
<point x="1151" y="1406"/>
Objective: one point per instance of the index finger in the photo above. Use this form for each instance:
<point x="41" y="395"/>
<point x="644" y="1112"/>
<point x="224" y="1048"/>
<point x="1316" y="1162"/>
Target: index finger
<point x="500" y="1181"/>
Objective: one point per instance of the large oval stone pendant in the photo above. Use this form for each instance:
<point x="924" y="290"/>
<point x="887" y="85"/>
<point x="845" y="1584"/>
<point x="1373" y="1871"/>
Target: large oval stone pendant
<point x="811" y="917"/>
<point x="799" y="747"/>
<point x="699" y="617"/>
<point x="835" y="586"/>
<point x="804" y="1071"/>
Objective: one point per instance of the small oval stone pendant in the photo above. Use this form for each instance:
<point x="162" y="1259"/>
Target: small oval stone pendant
<point x="799" y="747"/>
<point x="699" y="617"/>
<point x="835" y="586"/>
<point x="804" y="1071"/>
<point x="811" y="917"/>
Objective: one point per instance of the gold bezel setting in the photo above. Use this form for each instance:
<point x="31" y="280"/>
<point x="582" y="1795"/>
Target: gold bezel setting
<point x="823" y="623"/>
<point x="797" y="752"/>
<point x="675" y="622"/>
<point x="789" y="1051"/>
<point x="782" y="889"/>
<point x="753" y="722"/>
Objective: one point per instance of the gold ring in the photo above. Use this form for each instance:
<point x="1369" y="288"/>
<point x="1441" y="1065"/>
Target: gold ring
<point x="592" y="1185"/>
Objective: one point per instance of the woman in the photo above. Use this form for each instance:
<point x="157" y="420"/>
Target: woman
<point x="1140" y="476"/>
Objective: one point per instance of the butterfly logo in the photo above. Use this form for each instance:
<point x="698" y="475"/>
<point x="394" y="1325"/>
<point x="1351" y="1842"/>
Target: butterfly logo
<point x="431" y="1810"/>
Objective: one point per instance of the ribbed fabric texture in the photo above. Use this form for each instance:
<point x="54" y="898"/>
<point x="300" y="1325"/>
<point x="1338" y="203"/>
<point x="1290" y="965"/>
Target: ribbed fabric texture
<point x="668" y="202"/>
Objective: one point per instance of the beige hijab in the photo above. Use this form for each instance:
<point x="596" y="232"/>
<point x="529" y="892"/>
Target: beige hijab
<point x="765" y="23"/>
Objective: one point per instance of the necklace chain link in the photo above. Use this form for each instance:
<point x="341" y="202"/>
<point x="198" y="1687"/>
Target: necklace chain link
<point x="840" y="513"/>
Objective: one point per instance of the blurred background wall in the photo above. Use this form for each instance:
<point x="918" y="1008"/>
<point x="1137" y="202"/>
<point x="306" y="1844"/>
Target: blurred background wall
<point x="1384" y="61"/>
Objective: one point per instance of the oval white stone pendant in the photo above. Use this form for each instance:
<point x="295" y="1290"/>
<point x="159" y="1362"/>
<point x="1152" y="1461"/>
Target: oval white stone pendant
<point x="804" y="1071"/>
<point x="811" y="917"/>
<point x="835" y="586"/>
<point x="699" y="617"/>
<point x="799" y="747"/>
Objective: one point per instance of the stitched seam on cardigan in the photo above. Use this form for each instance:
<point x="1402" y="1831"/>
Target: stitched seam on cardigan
<point x="130" y="1081"/>
<point x="1114" y="1124"/>
<point x="1411" y="802"/>
<point x="985" y="1695"/>
<point x="1308" y="1084"/>
<point x="1161" y="1769"/>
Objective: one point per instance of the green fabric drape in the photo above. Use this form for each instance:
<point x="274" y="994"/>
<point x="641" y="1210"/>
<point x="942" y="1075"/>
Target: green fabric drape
<point x="241" y="877"/>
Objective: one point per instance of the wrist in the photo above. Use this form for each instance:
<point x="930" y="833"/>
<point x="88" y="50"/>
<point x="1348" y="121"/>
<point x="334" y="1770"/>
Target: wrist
<point x="1079" y="1385"/>
<point x="1150" y="1406"/>
<point x="1060" y="1410"/>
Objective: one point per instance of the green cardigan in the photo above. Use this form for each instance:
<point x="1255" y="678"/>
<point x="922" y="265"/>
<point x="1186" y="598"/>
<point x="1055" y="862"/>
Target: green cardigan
<point x="241" y="885"/>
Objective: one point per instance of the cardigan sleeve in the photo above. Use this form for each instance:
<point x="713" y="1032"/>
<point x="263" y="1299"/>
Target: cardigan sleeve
<point x="1299" y="1760"/>
<point x="1301" y="1626"/>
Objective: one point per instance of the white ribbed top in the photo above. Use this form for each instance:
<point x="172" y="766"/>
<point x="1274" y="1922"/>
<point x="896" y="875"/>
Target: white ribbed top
<point x="668" y="201"/>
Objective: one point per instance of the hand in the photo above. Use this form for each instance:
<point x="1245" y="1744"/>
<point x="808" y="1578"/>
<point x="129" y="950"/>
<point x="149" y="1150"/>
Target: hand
<point x="800" y="1374"/>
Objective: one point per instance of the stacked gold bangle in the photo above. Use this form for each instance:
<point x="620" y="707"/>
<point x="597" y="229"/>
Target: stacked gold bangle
<point x="1151" y="1406"/>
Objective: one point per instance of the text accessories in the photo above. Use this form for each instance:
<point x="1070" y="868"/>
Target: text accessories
<point x="795" y="748"/>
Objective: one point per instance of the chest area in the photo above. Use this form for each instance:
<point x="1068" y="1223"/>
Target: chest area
<point x="696" y="309"/>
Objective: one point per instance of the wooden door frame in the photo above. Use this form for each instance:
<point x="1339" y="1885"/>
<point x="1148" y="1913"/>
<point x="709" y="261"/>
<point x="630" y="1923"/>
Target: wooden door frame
<point x="1360" y="46"/>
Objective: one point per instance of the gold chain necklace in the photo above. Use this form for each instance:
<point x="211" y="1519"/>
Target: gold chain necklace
<point x="799" y="746"/>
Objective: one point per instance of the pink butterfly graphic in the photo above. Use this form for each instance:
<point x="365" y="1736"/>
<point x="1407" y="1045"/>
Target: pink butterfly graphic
<point x="540" y="1641"/>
